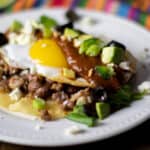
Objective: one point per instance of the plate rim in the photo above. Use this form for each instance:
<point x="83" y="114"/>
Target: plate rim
<point x="129" y="127"/>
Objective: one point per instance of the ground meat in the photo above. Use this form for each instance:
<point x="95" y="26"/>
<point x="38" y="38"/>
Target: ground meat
<point x="59" y="96"/>
<point x="34" y="85"/>
<point x="15" y="82"/>
<point x="43" y="91"/>
<point x="45" y="115"/>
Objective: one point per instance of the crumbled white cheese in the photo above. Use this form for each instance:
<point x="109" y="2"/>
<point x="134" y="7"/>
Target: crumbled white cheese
<point x="12" y="38"/>
<point x="73" y="130"/>
<point x="86" y="21"/>
<point x="24" y="72"/>
<point x="16" y="94"/>
<point x="28" y="28"/>
<point x="77" y="42"/>
<point x="111" y="65"/>
<point x="36" y="25"/>
<point x="4" y="77"/>
<point x="24" y="39"/>
<point x="125" y="65"/>
<point x="89" y="100"/>
<point x="144" y="86"/>
<point x="33" y="69"/>
<point x="21" y="39"/>
<point x="38" y="127"/>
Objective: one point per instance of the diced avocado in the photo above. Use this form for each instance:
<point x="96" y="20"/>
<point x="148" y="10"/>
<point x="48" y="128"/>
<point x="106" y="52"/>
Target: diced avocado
<point x="68" y="73"/>
<point x="102" y="109"/>
<point x="112" y="55"/>
<point x="16" y="26"/>
<point x="70" y="33"/>
<point x="78" y="41"/>
<point x="93" y="50"/>
<point x="39" y="104"/>
<point x="88" y="48"/>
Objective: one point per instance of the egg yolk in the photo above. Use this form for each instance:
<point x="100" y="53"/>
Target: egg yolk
<point x="47" y="53"/>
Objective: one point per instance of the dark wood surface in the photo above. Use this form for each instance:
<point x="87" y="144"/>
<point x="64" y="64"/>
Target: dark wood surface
<point x="135" y="139"/>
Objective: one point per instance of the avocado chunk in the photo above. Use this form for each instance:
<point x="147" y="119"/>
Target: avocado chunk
<point x="91" y="47"/>
<point x="112" y="55"/>
<point x="102" y="110"/>
<point x="70" y="33"/>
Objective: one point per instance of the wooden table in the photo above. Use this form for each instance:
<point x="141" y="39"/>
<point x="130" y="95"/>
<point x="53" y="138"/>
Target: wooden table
<point x="135" y="139"/>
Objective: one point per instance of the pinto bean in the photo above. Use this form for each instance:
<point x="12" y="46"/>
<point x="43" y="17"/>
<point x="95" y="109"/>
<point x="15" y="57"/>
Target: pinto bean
<point x="56" y="86"/>
<point x="43" y="91"/>
<point x="35" y="77"/>
<point x="4" y="86"/>
<point x="15" y="82"/>
<point x="59" y="96"/>
<point x="68" y="105"/>
<point x="71" y="89"/>
<point x="34" y="85"/>
<point x="45" y="115"/>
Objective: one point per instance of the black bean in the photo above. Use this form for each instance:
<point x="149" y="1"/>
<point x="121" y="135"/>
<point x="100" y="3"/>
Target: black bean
<point x="62" y="27"/>
<point x="72" y="16"/>
<point x="99" y="94"/>
<point x="116" y="44"/>
<point x="3" y="39"/>
<point x="89" y="109"/>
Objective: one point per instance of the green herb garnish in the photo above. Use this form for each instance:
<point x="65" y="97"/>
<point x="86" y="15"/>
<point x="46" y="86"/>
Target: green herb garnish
<point x="16" y="26"/>
<point x="81" y="118"/>
<point x="124" y="96"/>
<point x="79" y="115"/>
<point x="47" y="21"/>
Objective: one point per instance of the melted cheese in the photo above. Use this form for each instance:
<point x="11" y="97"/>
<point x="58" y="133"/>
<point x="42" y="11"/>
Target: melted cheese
<point x="24" y="107"/>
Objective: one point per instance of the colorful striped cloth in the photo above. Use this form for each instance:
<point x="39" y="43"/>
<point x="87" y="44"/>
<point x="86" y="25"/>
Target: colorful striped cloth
<point x="137" y="10"/>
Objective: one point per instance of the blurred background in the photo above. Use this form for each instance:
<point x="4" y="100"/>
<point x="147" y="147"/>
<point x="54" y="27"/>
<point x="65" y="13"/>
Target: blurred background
<point x="136" y="10"/>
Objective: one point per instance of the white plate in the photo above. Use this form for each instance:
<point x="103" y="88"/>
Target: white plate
<point x="21" y="131"/>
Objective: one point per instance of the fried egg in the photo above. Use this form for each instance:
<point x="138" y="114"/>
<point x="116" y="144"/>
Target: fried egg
<point x="43" y="57"/>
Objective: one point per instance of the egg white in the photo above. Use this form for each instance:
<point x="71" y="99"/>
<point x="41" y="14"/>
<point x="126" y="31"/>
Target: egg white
<point x="18" y="56"/>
